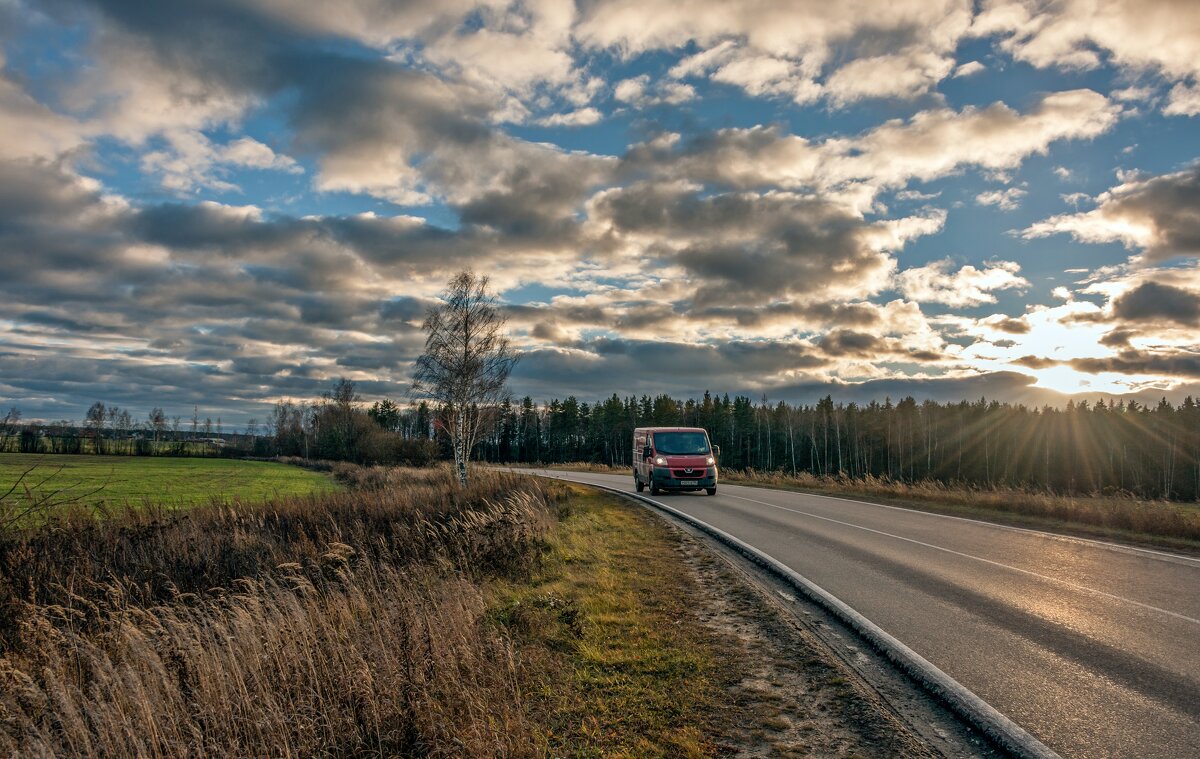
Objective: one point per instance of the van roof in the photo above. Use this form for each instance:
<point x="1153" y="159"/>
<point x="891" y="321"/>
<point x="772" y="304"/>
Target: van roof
<point x="670" y="429"/>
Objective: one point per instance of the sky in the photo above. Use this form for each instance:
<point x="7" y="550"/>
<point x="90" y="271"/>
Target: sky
<point x="223" y="204"/>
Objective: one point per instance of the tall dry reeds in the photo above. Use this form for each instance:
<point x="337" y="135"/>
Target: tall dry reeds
<point x="345" y="625"/>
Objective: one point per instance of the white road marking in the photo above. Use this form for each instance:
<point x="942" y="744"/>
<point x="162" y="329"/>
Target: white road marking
<point x="1047" y="578"/>
<point x="1166" y="555"/>
<point x="1163" y="555"/>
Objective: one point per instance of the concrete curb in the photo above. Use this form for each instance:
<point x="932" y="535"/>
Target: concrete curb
<point x="1005" y="733"/>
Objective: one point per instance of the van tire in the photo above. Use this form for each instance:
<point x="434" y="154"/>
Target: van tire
<point x="637" y="483"/>
<point x="710" y="491"/>
<point x="654" y="488"/>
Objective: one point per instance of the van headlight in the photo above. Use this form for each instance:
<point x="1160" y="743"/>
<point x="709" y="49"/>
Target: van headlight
<point x="660" y="461"/>
<point x="710" y="461"/>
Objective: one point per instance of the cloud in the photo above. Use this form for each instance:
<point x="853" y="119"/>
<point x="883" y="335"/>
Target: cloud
<point x="774" y="49"/>
<point x="844" y="343"/>
<point x="1008" y="324"/>
<point x="937" y="283"/>
<point x="1006" y="200"/>
<point x="1142" y="35"/>
<point x="411" y="138"/>
<point x="1183" y="101"/>
<point x="1152" y="301"/>
<point x="1156" y="215"/>
<point x="165" y="69"/>
<point x="250" y="153"/>
<point x="763" y="75"/>
<point x="169" y="77"/>
<point x="581" y="117"/>
<point x="904" y="76"/>
<point x="222" y="300"/>
<point x="930" y="145"/>
<point x="748" y="245"/>
<point x="369" y="122"/>
<point x="374" y="23"/>
<point x="188" y="161"/>
<point x="970" y="68"/>
<point x="1152" y="363"/>
<point x="682" y="368"/>
<point x="29" y="129"/>
<point x="1015" y="387"/>
<point x="638" y="92"/>
<point x="1132" y="94"/>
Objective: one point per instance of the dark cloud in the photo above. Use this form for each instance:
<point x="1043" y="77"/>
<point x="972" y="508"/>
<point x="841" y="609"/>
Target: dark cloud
<point x="1169" y="204"/>
<point x="744" y="246"/>
<point x="1159" y="215"/>
<point x="863" y="345"/>
<point x="1117" y="338"/>
<point x="1036" y="362"/>
<point x="1006" y="386"/>
<point x="844" y="342"/>
<point x="1171" y="364"/>
<point x="602" y="367"/>
<point x="1154" y="302"/>
<point x="403" y="310"/>
<point x="1011" y="326"/>
<point x="211" y="228"/>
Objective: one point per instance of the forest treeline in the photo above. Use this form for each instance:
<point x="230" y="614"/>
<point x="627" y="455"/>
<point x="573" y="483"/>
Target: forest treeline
<point x="1149" y="451"/>
<point x="336" y="427"/>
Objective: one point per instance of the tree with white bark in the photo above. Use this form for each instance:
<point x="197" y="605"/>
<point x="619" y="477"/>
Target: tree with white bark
<point x="466" y="363"/>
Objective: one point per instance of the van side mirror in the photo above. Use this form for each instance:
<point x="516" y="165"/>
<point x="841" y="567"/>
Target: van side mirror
<point x="646" y="452"/>
<point x="716" y="451"/>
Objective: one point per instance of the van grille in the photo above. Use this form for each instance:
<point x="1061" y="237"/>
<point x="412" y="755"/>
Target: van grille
<point x="689" y="474"/>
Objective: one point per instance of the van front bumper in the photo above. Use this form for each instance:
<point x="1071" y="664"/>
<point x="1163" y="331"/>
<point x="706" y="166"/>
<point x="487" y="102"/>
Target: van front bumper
<point x="664" y="479"/>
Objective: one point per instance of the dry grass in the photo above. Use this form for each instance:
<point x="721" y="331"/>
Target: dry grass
<point x="1122" y="516"/>
<point x="350" y="624"/>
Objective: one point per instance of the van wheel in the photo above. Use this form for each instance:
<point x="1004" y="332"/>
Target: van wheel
<point x="710" y="491"/>
<point x="654" y="489"/>
<point x="637" y="483"/>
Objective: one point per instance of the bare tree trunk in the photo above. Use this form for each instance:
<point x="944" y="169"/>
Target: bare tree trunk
<point x="792" y="443"/>
<point x="460" y="446"/>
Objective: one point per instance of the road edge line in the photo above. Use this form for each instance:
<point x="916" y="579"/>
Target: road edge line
<point x="962" y="701"/>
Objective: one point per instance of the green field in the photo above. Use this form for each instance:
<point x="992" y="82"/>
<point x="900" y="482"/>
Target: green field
<point x="121" y="480"/>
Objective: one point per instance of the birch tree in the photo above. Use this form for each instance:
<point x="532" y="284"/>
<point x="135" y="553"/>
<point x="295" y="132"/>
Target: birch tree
<point x="466" y="363"/>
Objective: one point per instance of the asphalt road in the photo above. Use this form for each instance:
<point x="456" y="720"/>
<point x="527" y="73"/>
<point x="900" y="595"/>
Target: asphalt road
<point x="1093" y="648"/>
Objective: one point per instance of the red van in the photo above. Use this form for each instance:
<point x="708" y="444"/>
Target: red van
<point x="674" y="458"/>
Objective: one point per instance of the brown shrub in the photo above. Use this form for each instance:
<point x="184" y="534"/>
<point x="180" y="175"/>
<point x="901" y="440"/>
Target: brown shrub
<point x="384" y="663"/>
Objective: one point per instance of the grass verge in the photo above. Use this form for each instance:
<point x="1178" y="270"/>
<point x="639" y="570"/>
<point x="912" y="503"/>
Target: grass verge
<point x="620" y="666"/>
<point x="1125" y="519"/>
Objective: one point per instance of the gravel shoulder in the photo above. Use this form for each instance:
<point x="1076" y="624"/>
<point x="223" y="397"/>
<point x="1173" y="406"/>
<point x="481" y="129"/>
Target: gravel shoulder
<point x="800" y="683"/>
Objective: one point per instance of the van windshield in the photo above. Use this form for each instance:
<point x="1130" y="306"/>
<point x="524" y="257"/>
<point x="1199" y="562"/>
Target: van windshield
<point x="679" y="443"/>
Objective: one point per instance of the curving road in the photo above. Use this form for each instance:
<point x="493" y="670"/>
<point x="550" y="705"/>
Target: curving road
<point x="1094" y="648"/>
